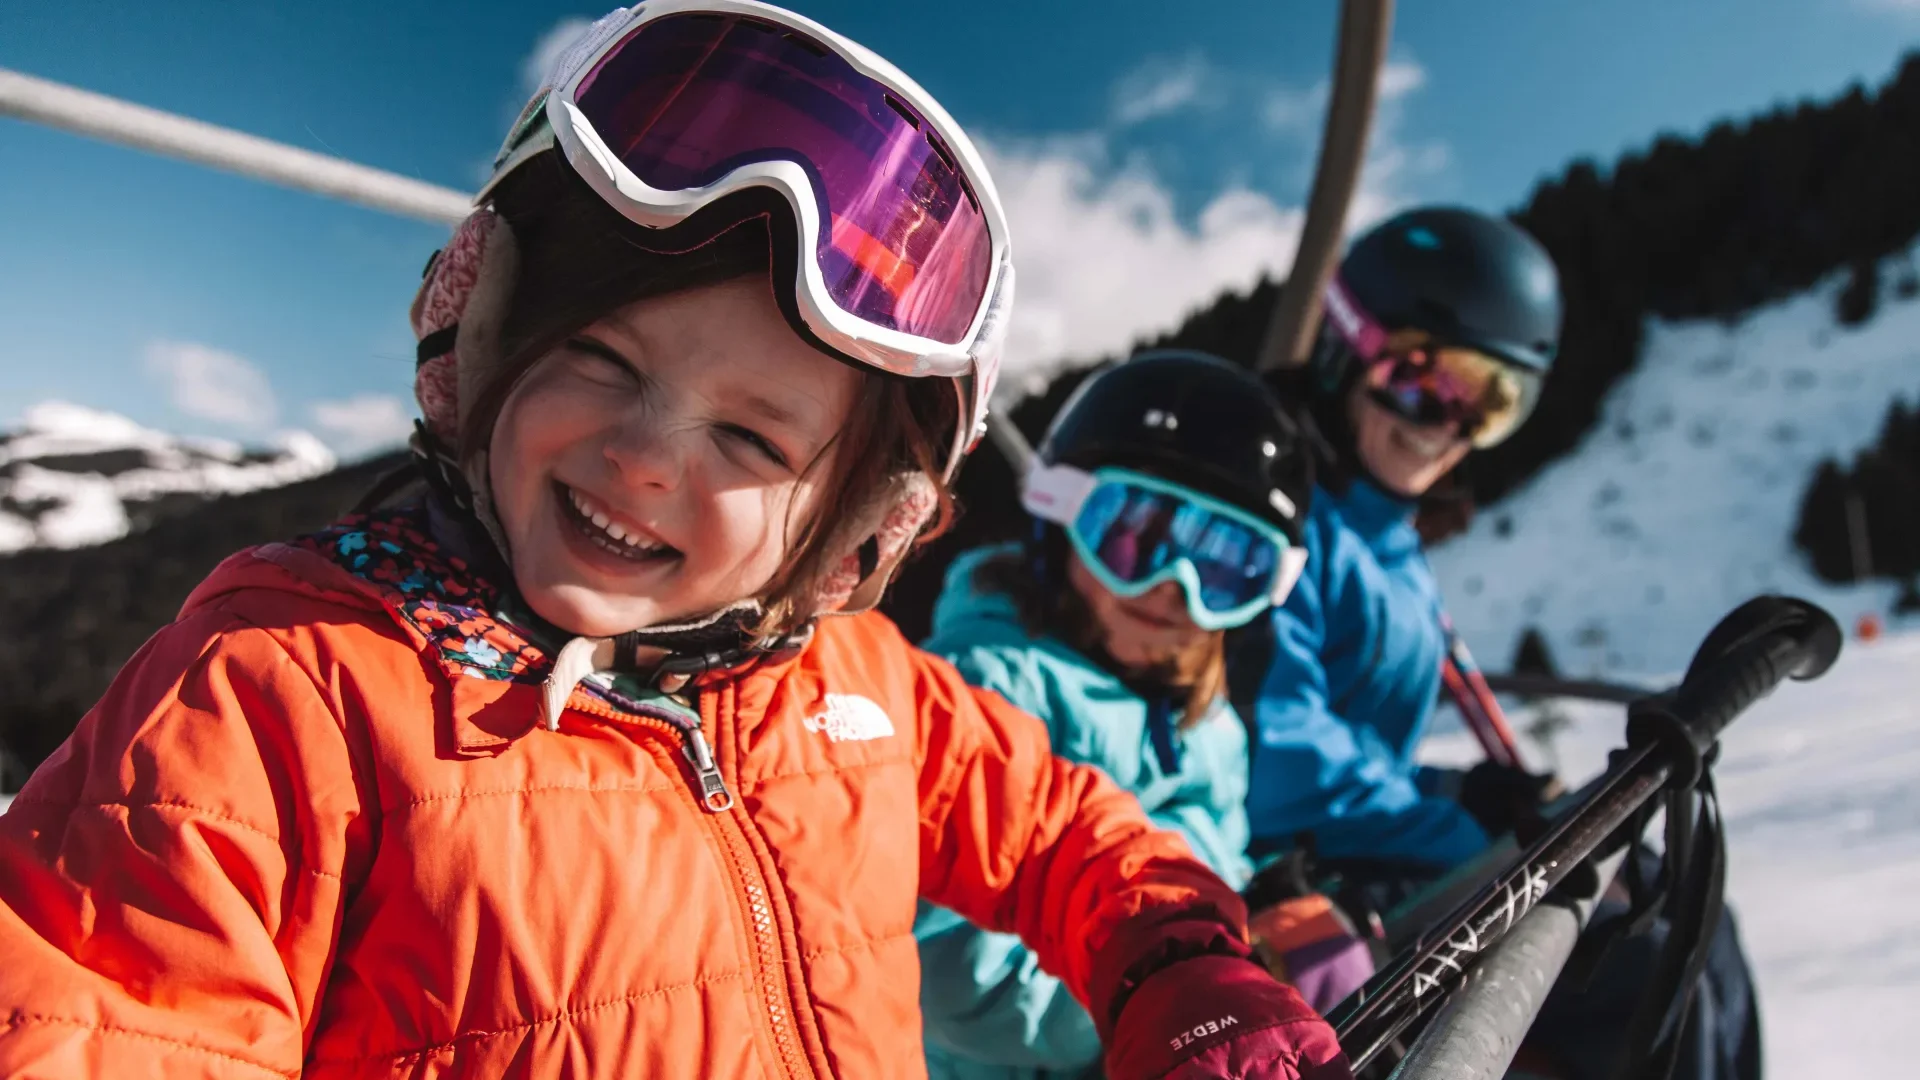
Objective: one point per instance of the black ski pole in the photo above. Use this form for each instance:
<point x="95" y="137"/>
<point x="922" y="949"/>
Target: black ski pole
<point x="1762" y="643"/>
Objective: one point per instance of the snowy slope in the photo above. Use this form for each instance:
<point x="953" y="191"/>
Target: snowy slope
<point x="1823" y="820"/>
<point x="1682" y="501"/>
<point x="73" y="476"/>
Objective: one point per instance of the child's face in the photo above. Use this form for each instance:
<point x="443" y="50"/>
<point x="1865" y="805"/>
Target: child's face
<point x="1143" y="631"/>
<point x="654" y="467"/>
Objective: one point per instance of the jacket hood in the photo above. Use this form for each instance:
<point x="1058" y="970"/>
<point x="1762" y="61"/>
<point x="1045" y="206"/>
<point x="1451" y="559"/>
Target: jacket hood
<point x="967" y="611"/>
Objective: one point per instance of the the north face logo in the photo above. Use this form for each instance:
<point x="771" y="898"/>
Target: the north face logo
<point x="851" y="718"/>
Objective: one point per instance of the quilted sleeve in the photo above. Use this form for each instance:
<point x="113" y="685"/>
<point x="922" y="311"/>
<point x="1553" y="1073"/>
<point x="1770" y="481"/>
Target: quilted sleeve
<point x="171" y="880"/>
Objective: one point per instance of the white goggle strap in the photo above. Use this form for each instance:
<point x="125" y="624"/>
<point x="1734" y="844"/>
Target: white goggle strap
<point x="1056" y="493"/>
<point x="1293" y="563"/>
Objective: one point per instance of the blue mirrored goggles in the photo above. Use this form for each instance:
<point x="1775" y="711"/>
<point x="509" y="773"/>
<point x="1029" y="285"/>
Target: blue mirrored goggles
<point x="1133" y="532"/>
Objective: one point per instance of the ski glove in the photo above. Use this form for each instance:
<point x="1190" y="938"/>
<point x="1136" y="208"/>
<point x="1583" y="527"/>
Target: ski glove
<point x="1501" y="797"/>
<point x="1221" y="1016"/>
<point x="1306" y="941"/>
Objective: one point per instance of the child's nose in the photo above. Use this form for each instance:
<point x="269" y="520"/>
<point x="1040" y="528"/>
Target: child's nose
<point x="647" y="454"/>
<point x="1167" y="599"/>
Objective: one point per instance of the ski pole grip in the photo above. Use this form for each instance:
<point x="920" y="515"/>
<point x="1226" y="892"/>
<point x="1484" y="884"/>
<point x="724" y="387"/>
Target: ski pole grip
<point x="1761" y="644"/>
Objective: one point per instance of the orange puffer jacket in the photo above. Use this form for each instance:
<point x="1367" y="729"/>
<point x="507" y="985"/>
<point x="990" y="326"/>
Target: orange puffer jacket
<point x="313" y="829"/>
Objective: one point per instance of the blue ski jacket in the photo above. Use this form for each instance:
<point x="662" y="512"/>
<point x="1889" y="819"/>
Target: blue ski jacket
<point x="989" y="1011"/>
<point x="1352" y="672"/>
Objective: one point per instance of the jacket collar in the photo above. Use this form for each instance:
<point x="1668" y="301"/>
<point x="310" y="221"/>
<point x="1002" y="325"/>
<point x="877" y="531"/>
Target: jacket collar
<point x="494" y="657"/>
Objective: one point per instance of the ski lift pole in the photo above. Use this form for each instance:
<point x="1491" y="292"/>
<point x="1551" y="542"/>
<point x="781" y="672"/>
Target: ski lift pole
<point x="1365" y="26"/>
<point x="1670" y="739"/>
<point x="1012" y="445"/>
<point x="83" y="112"/>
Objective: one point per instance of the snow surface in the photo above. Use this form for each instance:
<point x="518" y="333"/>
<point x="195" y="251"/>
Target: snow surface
<point x="1681" y="503"/>
<point x="1823" y="819"/>
<point x="65" y="479"/>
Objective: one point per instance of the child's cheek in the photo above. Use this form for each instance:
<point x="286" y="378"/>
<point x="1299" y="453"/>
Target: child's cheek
<point x="748" y="531"/>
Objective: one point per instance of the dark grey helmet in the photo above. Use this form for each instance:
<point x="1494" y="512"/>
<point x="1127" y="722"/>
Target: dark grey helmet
<point x="1465" y="277"/>
<point x="1193" y="419"/>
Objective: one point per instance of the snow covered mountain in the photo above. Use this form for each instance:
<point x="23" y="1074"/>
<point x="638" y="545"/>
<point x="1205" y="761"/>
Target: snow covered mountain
<point x="1682" y="501"/>
<point x="72" y="476"/>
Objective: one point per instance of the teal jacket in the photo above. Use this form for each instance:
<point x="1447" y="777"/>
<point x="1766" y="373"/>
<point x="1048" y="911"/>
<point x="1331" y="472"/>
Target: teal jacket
<point x="989" y="1009"/>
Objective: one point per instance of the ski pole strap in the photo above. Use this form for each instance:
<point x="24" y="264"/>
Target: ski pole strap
<point x="1696" y="902"/>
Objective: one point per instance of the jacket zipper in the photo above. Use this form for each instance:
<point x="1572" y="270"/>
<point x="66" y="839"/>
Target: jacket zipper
<point x="710" y="789"/>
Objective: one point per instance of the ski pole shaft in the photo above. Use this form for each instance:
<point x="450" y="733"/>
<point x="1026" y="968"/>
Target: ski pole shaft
<point x="1476" y="700"/>
<point x="1496" y="716"/>
<point x="1463" y="700"/>
<point x="1478" y="1031"/>
<point x="1438" y="961"/>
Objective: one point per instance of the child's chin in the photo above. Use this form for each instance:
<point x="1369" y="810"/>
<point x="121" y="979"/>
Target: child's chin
<point x="589" y="613"/>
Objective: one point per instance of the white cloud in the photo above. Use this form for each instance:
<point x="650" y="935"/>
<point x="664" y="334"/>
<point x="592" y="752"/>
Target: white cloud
<point x="1160" y="87"/>
<point x="1105" y="259"/>
<point x="1395" y="168"/>
<point x="210" y="384"/>
<point x="1290" y="110"/>
<point x="548" y="50"/>
<point x="364" y="422"/>
<point x="1398" y="78"/>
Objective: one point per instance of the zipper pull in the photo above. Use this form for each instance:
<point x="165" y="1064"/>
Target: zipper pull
<point x="713" y="790"/>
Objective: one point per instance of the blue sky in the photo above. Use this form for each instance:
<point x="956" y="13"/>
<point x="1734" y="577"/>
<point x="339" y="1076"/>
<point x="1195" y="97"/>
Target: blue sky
<point x="1150" y="154"/>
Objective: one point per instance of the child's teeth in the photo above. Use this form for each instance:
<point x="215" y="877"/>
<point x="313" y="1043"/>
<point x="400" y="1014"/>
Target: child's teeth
<point x="613" y="529"/>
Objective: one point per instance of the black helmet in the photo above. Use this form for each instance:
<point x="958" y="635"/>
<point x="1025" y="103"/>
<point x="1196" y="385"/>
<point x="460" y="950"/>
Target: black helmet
<point x="1195" y="420"/>
<point x="1465" y="277"/>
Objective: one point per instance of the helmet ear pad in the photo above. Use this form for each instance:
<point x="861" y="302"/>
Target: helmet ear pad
<point x="448" y="369"/>
<point x="457" y="316"/>
<point x="875" y="541"/>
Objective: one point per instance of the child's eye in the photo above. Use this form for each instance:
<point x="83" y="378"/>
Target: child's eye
<point x="597" y="361"/>
<point x="759" y="444"/>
